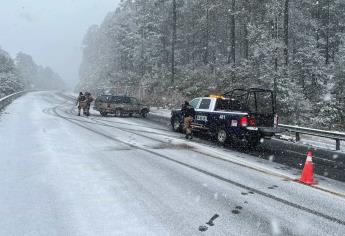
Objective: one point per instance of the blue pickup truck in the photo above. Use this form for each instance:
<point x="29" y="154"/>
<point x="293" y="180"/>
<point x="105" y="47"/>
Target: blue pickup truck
<point x="239" y="115"/>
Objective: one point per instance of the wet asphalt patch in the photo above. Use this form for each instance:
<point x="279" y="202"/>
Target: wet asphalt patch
<point x="170" y="146"/>
<point x="237" y="210"/>
<point x="246" y="193"/>
<point x="283" y="168"/>
<point x="118" y="149"/>
<point x="203" y="228"/>
<point x="272" y="187"/>
<point x="211" y="221"/>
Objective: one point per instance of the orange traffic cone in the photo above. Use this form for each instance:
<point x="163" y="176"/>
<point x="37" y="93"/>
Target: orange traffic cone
<point x="307" y="176"/>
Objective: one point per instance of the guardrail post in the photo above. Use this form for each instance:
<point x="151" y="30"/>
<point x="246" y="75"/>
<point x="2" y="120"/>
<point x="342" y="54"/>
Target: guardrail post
<point x="337" y="144"/>
<point x="298" y="137"/>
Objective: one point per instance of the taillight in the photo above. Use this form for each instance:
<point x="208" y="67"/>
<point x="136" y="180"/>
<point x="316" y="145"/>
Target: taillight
<point x="244" y="121"/>
<point x="252" y="121"/>
<point x="276" y="120"/>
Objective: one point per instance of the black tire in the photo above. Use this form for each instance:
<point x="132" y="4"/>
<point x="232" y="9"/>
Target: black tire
<point x="144" y="113"/>
<point x="222" y="136"/>
<point x="118" y="112"/>
<point x="176" y="124"/>
<point x="103" y="113"/>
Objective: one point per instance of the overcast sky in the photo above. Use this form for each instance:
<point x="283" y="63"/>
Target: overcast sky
<point x="51" y="31"/>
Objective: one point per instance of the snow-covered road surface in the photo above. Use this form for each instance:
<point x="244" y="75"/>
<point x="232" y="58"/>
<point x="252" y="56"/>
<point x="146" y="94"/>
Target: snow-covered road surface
<point x="68" y="175"/>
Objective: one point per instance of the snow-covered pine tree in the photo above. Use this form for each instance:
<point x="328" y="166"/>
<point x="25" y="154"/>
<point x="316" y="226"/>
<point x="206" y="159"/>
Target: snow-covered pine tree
<point x="10" y="81"/>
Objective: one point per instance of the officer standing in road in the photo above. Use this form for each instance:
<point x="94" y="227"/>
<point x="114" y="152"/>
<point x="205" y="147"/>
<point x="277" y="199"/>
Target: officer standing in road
<point x="89" y="99"/>
<point x="188" y="113"/>
<point x="81" y="103"/>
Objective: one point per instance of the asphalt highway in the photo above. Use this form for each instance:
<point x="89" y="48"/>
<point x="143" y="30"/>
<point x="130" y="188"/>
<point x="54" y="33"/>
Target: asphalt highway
<point x="67" y="175"/>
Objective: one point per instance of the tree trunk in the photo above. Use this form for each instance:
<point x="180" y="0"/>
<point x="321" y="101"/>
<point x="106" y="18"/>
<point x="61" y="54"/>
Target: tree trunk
<point x="327" y="33"/>
<point x="233" y="32"/>
<point x="247" y="20"/>
<point x="173" y="42"/>
<point x="276" y="36"/>
<point x="318" y="27"/>
<point x="275" y="85"/>
<point x="142" y="53"/>
<point x="207" y="37"/>
<point x="286" y="32"/>
<point x="232" y="52"/>
<point x="246" y="41"/>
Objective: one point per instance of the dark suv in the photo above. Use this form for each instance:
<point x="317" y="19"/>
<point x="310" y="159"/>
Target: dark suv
<point x="120" y="105"/>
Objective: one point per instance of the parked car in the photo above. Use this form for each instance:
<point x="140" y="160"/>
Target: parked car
<point x="120" y="105"/>
<point x="240" y="115"/>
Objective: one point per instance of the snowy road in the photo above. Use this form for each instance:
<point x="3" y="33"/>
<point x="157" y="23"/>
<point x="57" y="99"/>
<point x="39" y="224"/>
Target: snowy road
<point x="68" y="175"/>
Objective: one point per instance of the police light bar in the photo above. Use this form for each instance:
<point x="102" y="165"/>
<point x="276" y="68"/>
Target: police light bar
<point x="215" y="96"/>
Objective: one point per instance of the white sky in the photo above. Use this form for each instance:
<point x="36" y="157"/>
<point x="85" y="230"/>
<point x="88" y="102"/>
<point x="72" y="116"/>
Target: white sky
<point x="51" y="31"/>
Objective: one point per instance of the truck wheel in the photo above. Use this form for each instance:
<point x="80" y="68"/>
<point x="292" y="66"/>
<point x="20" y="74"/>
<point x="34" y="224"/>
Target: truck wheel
<point x="118" y="113"/>
<point x="103" y="113"/>
<point x="222" y="136"/>
<point x="176" y="124"/>
<point x="144" y="113"/>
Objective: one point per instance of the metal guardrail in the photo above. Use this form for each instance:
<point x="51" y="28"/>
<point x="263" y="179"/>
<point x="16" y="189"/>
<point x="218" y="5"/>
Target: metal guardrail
<point x="9" y="98"/>
<point x="337" y="136"/>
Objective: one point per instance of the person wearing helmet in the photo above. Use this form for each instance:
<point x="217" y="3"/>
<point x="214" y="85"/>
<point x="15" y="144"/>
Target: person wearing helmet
<point x="188" y="113"/>
<point x="81" y="103"/>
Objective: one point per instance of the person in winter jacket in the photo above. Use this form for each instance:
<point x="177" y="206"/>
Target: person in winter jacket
<point x="89" y="100"/>
<point x="188" y="113"/>
<point x="81" y="103"/>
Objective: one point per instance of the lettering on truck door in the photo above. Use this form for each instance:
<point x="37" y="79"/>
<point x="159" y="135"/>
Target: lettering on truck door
<point x="203" y="112"/>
